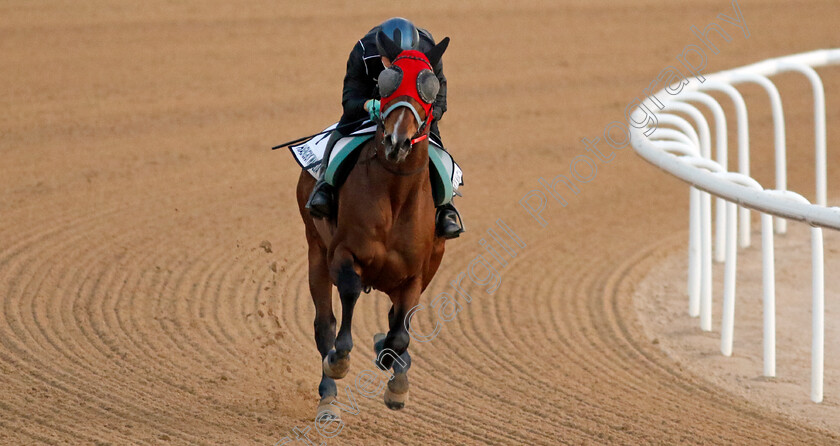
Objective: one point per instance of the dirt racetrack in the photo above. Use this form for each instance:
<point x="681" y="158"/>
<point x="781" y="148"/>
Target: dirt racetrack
<point x="138" y="306"/>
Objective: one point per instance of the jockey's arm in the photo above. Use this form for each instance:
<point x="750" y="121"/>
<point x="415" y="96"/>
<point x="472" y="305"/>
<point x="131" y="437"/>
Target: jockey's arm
<point x="427" y="41"/>
<point x="439" y="107"/>
<point x="358" y="87"/>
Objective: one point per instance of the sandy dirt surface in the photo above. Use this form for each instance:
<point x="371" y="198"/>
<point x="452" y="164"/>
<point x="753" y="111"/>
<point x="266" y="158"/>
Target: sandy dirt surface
<point x="662" y="306"/>
<point x="138" y="306"/>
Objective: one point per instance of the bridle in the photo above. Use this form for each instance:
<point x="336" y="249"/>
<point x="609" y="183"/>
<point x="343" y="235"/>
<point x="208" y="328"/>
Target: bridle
<point x="420" y="135"/>
<point x="421" y="132"/>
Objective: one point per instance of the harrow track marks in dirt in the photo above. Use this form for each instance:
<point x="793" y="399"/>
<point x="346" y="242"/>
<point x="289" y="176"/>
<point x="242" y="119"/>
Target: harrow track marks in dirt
<point x="780" y="427"/>
<point x="427" y="400"/>
<point x="138" y="306"/>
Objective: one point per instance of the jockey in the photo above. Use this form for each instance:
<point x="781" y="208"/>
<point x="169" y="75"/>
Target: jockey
<point x="361" y="97"/>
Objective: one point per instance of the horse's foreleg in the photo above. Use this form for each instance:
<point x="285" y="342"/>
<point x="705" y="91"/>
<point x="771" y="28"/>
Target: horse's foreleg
<point x="349" y="285"/>
<point x="393" y="350"/>
<point x="397" y="339"/>
<point x="321" y="289"/>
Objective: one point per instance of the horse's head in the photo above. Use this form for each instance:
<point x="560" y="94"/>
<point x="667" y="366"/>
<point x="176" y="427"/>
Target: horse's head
<point x="408" y="89"/>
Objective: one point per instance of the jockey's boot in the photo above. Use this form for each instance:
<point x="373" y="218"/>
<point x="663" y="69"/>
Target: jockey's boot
<point x="320" y="202"/>
<point x="448" y="223"/>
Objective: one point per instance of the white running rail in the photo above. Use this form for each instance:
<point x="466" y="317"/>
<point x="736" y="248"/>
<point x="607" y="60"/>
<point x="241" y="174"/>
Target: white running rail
<point x="685" y="151"/>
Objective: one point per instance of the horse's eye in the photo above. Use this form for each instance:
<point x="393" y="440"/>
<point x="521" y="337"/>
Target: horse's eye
<point x="389" y="81"/>
<point x="427" y="86"/>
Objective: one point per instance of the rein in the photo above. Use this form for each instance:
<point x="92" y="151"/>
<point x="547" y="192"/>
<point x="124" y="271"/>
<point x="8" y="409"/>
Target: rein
<point x="421" y="131"/>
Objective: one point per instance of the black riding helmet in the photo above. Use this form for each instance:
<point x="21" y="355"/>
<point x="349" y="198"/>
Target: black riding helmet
<point x="402" y="32"/>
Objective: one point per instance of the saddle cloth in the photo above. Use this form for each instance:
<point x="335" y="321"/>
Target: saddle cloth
<point x="445" y="174"/>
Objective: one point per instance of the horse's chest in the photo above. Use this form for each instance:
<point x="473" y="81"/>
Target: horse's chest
<point x="405" y="259"/>
<point x="395" y="244"/>
<point x="393" y="264"/>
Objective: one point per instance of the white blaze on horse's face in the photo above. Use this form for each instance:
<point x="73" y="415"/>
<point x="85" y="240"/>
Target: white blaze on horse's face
<point x="394" y="137"/>
<point x="398" y="139"/>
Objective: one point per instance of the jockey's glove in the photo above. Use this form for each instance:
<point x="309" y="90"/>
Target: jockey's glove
<point x="372" y="107"/>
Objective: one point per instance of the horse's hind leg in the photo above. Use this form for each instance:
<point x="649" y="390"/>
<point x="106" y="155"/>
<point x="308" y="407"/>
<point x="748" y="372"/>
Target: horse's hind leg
<point x="349" y="285"/>
<point x="321" y="289"/>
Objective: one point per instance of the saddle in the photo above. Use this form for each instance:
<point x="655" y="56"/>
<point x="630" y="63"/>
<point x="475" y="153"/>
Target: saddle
<point x="444" y="172"/>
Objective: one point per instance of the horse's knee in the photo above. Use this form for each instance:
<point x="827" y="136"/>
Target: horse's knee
<point x="323" y="326"/>
<point x="349" y="283"/>
<point x="324" y="334"/>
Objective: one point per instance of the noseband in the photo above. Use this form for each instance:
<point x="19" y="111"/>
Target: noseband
<point x="421" y="133"/>
<point x="418" y="136"/>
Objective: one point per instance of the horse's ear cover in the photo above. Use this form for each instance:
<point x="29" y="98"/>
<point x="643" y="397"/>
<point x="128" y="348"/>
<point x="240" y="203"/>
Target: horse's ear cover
<point x="436" y="52"/>
<point x="387" y="47"/>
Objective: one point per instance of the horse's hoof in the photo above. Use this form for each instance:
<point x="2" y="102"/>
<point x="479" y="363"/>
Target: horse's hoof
<point x="395" y="401"/>
<point x="378" y="342"/>
<point x="396" y="394"/>
<point x="336" y="368"/>
<point x="327" y="411"/>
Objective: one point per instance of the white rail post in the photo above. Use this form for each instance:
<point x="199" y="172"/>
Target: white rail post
<point x="722" y="158"/>
<point x="768" y="279"/>
<point x="743" y="148"/>
<point x="727" y="329"/>
<point x="821" y="173"/>
<point x="693" y="285"/>
<point x="778" y="130"/>
<point x="705" y="211"/>
<point x="728" y="318"/>
<point x="705" y="244"/>
<point x="705" y="214"/>
<point x="687" y="147"/>
<point x="705" y="261"/>
<point x="817" y="300"/>
<point x="817" y="316"/>
<point x="694" y="254"/>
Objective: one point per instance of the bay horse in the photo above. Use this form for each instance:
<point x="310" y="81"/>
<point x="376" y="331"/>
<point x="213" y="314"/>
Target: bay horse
<point x="383" y="235"/>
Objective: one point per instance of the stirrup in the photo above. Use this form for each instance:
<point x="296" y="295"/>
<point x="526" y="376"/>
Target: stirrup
<point x="439" y="222"/>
